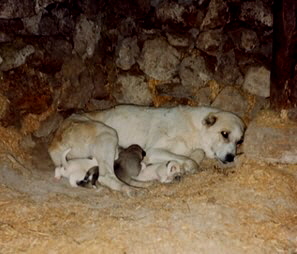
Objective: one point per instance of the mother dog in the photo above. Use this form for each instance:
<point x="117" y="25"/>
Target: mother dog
<point x="164" y="133"/>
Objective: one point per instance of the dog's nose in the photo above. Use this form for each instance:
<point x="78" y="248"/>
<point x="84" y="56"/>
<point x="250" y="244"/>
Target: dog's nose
<point x="177" y="178"/>
<point x="229" y="157"/>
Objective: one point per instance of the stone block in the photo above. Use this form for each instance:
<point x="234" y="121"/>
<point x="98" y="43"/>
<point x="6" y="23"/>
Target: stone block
<point x="274" y="143"/>
<point x="257" y="81"/>
<point x="158" y="59"/>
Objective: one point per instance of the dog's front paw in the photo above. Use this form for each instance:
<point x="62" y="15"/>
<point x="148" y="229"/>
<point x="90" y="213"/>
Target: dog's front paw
<point x="190" y="166"/>
<point x="197" y="155"/>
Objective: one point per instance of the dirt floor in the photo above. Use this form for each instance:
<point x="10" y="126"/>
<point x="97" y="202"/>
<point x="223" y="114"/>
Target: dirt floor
<point x="250" y="208"/>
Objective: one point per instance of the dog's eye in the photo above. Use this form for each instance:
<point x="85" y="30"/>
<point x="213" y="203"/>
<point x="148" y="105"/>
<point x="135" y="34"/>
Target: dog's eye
<point x="225" y="134"/>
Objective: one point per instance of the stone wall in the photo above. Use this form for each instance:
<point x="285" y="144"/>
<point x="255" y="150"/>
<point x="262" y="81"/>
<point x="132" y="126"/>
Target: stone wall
<point x="60" y="56"/>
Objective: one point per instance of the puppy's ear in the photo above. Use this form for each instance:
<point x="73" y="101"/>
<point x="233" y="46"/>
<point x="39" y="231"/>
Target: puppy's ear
<point x="209" y="120"/>
<point x="173" y="169"/>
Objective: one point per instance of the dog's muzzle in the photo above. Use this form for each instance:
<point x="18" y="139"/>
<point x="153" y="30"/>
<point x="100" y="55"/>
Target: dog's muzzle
<point x="177" y="178"/>
<point x="228" y="158"/>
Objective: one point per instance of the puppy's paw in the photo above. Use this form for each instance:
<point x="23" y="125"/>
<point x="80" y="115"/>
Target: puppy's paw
<point x="190" y="166"/>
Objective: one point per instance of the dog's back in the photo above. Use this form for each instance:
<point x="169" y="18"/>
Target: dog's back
<point x="75" y="165"/>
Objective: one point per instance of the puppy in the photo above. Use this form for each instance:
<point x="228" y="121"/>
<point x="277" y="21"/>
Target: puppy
<point x="78" y="171"/>
<point x="92" y="176"/>
<point x="128" y="165"/>
<point x="164" y="172"/>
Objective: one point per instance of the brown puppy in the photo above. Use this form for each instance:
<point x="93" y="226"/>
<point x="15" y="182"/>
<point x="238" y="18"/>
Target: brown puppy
<point x="128" y="165"/>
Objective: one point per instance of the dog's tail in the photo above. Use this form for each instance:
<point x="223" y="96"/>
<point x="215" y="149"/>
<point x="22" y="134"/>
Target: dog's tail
<point x="63" y="158"/>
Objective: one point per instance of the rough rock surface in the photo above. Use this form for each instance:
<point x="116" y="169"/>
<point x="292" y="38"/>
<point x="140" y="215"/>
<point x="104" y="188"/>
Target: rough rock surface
<point x="158" y="59"/>
<point x="77" y="79"/>
<point x="177" y="40"/>
<point x="31" y="24"/>
<point x="256" y="12"/>
<point x="127" y="53"/>
<point x="133" y="89"/>
<point x="211" y="41"/>
<point x="86" y="36"/>
<point x="231" y="100"/>
<point x="257" y="81"/>
<point x="271" y="140"/>
<point x="194" y="72"/>
<point x="179" y="45"/>
<point x="249" y="40"/>
<point x="203" y="96"/>
<point x="9" y="9"/>
<point x="4" y="105"/>
<point x="170" y="12"/>
<point x="245" y="39"/>
<point x="49" y="125"/>
<point x="216" y="16"/>
<point x="13" y="57"/>
<point x="227" y="70"/>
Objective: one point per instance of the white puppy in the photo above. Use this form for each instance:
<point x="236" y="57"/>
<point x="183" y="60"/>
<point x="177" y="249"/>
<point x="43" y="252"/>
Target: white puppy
<point x="75" y="170"/>
<point x="164" y="133"/>
<point x="164" y="172"/>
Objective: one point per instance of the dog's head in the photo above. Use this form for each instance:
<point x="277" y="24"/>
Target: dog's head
<point x="136" y="149"/>
<point x="223" y="133"/>
<point x="174" y="171"/>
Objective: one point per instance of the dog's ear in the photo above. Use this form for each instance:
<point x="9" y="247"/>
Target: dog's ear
<point x="143" y="153"/>
<point x="173" y="169"/>
<point x="209" y="120"/>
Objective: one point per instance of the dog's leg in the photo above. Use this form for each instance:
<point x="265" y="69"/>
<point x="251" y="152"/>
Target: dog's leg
<point x="104" y="150"/>
<point x="95" y="176"/>
<point x="161" y="155"/>
<point x="58" y="173"/>
<point x="197" y="155"/>
<point x="73" y="180"/>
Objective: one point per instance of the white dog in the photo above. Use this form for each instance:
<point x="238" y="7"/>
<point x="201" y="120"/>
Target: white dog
<point x="164" y="172"/>
<point x="75" y="170"/>
<point x="164" y="133"/>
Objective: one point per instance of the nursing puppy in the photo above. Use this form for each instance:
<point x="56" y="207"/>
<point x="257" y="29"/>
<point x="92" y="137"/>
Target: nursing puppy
<point x="128" y="165"/>
<point x="91" y="176"/>
<point x="164" y="172"/>
<point x="164" y="133"/>
<point x="78" y="171"/>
